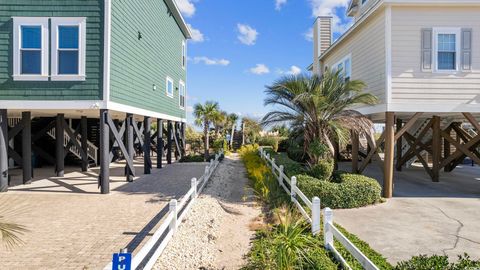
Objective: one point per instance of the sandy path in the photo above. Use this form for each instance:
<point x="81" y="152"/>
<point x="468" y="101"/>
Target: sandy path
<point x="215" y="234"/>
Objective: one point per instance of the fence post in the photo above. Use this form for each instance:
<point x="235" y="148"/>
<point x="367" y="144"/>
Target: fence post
<point x="268" y="157"/>
<point x="194" y="186"/>
<point x="327" y="223"/>
<point x="174" y="210"/>
<point x="273" y="165"/>
<point x="280" y="174"/>
<point x="293" y="185"/>
<point x="315" y="215"/>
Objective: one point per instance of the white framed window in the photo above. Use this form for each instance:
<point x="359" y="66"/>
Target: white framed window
<point x="169" y="87"/>
<point x="446" y="47"/>
<point x="345" y="65"/>
<point x="184" y="54"/>
<point x="363" y="2"/>
<point x="182" y="94"/>
<point x="68" y="49"/>
<point x="30" y="49"/>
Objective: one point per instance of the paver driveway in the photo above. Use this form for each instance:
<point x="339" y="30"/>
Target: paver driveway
<point x="71" y="226"/>
<point x="423" y="217"/>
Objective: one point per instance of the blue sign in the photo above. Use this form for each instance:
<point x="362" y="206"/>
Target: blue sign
<point x="122" y="261"/>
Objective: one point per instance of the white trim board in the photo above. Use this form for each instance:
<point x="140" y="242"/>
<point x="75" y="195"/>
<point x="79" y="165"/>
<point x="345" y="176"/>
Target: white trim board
<point x="106" y="49"/>
<point x="59" y="105"/>
<point x="388" y="54"/>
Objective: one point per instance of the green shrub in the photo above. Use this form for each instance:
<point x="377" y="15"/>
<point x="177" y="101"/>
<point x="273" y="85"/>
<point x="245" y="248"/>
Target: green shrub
<point x="290" y="167"/>
<point x="269" y="141"/>
<point x="263" y="181"/>
<point x="353" y="190"/>
<point x="295" y="152"/>
<point x="220" y="144"/>
<point x="377" y="258"/>
<point x="192" y="158"/>
<point x="424" y="262"/>
<point x="323" y="170"/>
<point x="288" y="245"/>
<point x="283" y="145"/>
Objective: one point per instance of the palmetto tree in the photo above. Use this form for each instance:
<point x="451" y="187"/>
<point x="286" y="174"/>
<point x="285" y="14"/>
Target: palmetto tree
<point x="232" y="119"/>
<point x="205" y="114"/>
<point x="219" y="122"/>
<point x="320" y="106"/>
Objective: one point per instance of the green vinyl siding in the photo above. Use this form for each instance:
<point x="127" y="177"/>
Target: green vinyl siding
<point x="137" y="64"/>
<point x="91" y="88"/>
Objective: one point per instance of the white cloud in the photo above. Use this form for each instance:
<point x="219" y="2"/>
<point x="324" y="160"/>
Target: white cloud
<point x="211" y="62"/>
<point x="329" y="8"/>
<point x="279" y="4"/>
<point x="294" y="70"/>
<point x="309" y="34"/>
<point x="260" y="69"/>
<point x="197" y="36"/>
<point x="186" y="7"/>
<point x="247" y="35"/>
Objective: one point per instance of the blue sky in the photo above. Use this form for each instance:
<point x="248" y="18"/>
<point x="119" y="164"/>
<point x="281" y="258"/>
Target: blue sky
<point x="240" y="46"/>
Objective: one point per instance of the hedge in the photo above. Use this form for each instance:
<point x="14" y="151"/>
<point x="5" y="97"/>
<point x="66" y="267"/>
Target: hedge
<point x="351" y="192"/>
<point x="424" y="262"/>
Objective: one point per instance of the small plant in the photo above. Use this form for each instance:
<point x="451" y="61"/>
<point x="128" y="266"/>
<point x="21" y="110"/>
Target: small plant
<point x="322" y="170"/>
<point x="424" y="262"/>
<point x="288" y="245"/>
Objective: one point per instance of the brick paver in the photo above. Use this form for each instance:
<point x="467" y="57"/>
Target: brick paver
<point x="71" y="226"/>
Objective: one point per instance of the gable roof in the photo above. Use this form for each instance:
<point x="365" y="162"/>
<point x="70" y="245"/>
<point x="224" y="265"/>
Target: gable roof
<point x="179" y="18"/>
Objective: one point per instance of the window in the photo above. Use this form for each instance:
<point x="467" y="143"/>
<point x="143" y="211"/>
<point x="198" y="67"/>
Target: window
<point x="364" y="1"/>
<point x="345" y="65"/>
<point x="169" y="87"/>
<point x="446" y="45"/>
<point x="446" y="52"/>
<point x="182" y="94"/>
<point x="30" y="59"/>
<point x="184" y="54"/>
<point x="68" y="49"/>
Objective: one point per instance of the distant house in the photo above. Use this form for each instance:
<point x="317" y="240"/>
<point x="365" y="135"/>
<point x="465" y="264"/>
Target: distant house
<point x="421" y="58"/>
<point x="100" y="66"/>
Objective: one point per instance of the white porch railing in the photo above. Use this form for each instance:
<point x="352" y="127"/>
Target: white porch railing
<point x="172" y="219"/>
<point x="330" y="232"/>
<point x="92" y="150"/>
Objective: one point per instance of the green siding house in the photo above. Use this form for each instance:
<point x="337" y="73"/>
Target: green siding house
<point x="91" y="74"/>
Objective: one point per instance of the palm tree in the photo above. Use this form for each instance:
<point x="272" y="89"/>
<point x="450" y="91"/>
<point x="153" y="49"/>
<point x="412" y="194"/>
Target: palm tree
<point x="204" y="115"/>
<point x="9" y="234"/>
<point x="219" y="122"/>
<point x="232" y="119"/>
<point x="321" y="107"/>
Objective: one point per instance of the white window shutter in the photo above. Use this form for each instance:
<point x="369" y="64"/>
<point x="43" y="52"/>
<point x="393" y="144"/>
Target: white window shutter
<point x="466" y="53"/>
<point x="427" y="49"/>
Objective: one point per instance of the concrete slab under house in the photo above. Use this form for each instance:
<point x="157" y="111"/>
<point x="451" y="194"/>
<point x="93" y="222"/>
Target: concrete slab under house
<point x="421" y="60"/>
<point x="88" y="83"/>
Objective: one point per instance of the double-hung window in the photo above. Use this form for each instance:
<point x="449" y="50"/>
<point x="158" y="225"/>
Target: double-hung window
<point x="30" y="44"/>
<point x="182" y="94"/>
<point x="184" y="55"/>
<point x="345" y="67"/>
<point x="169" y="87"/>
<point x="68" y="49"/>
<point x="446" y="44"/>
<point x="34" y="41"/>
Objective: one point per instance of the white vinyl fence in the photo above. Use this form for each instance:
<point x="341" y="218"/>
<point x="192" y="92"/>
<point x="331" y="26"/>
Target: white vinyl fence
<point x="176" y="214"/>
<point x="330" y="232"/>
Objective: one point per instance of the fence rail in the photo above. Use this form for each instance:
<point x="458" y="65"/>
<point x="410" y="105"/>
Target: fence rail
<point x="330" y="232"/>
<point x="172" y="220"/>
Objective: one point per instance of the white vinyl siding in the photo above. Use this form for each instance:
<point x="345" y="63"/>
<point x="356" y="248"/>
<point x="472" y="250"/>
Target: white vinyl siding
<point x="366" y="48"/>
<point x="411" y="84"/>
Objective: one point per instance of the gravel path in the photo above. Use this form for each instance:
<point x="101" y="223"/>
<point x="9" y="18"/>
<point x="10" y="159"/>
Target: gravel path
<point x="216" y="234"/>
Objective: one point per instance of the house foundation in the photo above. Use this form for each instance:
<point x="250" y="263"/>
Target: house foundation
<point x="438" y="141"/>
<point x="86" y="139"/>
